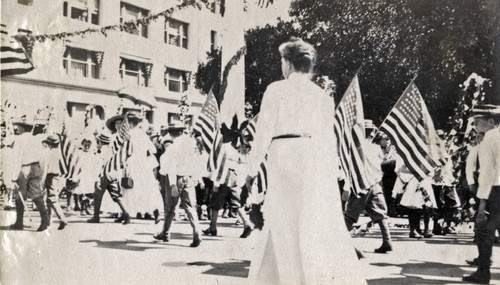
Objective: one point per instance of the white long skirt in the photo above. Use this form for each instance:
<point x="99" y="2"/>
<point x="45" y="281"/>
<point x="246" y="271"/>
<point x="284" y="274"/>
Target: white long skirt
<point x="307" y="241"/>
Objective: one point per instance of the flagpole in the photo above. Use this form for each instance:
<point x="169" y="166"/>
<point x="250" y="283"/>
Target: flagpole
<point x="413" y="79"/>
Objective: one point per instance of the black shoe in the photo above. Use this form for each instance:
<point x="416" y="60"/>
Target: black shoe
<point x="120" y="219"/>
<point x="209" y="232"/>
<point x="384" y="248"/>
<point x="62" y="225"/>
<point x="126" y="219"/>
<point x="139" y="216"/>
<point x="42" y="227"/>
<point x="427" y="234"/>
<point x="477" y="278"/>
<point x="93" y="220"/>
<point x="246" y="232"/>
<point x="196" y="242"/>
<point x="156" y="213"/>
<point x="415" y="235"/>
<point x="162" y="237"/>
<point x="16" y="226"/>
<point x="148" y="216"/>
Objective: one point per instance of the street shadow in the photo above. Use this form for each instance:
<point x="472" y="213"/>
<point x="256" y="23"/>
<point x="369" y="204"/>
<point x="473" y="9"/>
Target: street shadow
<point x="236" y="268"/>
<point x="425" y="268"/>
<point x="131" y="245"/>
<point x="26" y="228"/>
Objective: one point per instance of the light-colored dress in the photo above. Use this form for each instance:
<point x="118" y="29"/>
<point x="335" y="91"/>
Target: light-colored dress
<point x="145" y="195"/>
<point x="306" y="240"/>
<point x="90" y="163"/>
<point x="416" y="195"/>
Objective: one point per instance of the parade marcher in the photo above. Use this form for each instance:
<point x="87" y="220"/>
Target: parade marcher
<point x="416" y="197"/>
<point x="28" y="174"/>
<point x="231" y="188"/>
<point x="170" y="133"/>
<point x="51" y="179"/>
<point x="110" y="174"/>
<point x="7" y="174"/>
<point x="306" y="241"/>
<point x="87" y="177"/>
<point x="372" y="200"/>
<point x="389" y="175"/>
<point x="487" y="120"/>
<point x="144" y="196"/>
<point x="202" y="189"/>
<point x="184" y="169"/>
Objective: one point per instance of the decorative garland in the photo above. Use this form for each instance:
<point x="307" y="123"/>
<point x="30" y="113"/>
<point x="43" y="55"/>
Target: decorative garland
<point x="29" y="39"/>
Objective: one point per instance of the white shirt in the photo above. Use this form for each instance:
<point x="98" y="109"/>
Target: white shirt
<point x="294" y="106"/>
<point x="27" y="149"/>
<point x="471" y="164"/>
<point x="185" y="159"/>
<point x="489" y="161"/>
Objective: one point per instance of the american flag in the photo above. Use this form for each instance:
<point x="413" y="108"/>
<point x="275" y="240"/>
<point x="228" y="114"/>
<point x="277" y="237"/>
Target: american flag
<point x="122" y="149"/>
<point x="69" y="160"/>
<point x="14" y="59"/>
<point x="349" y="130"/>
<point x="410" y="128"/>
<point x="262" y="175"/>
<point x="207" y="123"/>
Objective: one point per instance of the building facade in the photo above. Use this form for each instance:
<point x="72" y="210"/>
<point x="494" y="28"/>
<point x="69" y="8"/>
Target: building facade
<point x="159" y="59"/>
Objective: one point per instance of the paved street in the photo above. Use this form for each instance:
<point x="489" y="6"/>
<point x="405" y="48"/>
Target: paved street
<point x="110" y="253"/>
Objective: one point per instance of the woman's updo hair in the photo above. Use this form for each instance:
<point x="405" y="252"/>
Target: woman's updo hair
<point x="300" y="54"/>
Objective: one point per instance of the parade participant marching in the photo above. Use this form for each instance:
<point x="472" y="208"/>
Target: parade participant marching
<point x="389" y="176"/>
<point x="306" y="241"/>
<point x="373" y="200"/>
<point x="231" y="188"/>
<point x="184" y="169"/>
<point x="28" y="175"/>
<point x="115" y="156"/>
<point x="487" y="120"/>
<point x="51" y="180"/>
<point x="170" y="133"/>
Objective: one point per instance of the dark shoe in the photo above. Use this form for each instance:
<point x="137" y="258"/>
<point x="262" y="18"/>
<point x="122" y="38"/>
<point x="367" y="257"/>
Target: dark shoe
<point x="148" y="216"/>
<point x="120" y="219"/>
<point x="475" y="262"/>
<point x="477" y="278"/>
<point x="126" y="219"/>
<point x="246" y="232"/>
<point x="384" y="248"/>
<point x="416" y="235"/>
<point x="42" y="227"/>
<point x="449" y="230"/>
<point x="156" y="213"/>
<point x="196" y="242"/>
<point x="77" y="209"/>
<point x="62" y="225"/>
<point x="231" y="215"/>
<point x="427" y="234"/>
<point x="16" y="226"/>
<point x="93" y="220"/>
<point x="139" y="216"/>
<point x="162" y="237"/>
<point x="209" y="232"/>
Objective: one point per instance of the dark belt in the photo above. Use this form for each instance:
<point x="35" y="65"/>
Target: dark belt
<point x="291" y="136"/>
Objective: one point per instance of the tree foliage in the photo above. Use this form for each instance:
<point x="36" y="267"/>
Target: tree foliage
<point x="390" y="41"/>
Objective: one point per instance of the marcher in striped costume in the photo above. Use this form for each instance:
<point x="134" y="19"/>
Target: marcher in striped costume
<point x="119" y="151"/>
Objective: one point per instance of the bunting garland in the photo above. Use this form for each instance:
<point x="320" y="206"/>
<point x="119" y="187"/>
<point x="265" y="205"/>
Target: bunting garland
<point x="30" y="38"/>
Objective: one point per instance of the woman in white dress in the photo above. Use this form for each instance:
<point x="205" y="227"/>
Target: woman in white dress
<point x="306" y="240"/>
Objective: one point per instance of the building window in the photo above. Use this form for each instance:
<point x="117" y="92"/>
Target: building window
<point x="176" y="80"/>
<point x="176" y="33"/>
<point x="25" y="2"/>
<point x="82" y="10"/>
<point x="135" y="73"/>
<point x="81" y="63"/>
<point x="128" y="15"/>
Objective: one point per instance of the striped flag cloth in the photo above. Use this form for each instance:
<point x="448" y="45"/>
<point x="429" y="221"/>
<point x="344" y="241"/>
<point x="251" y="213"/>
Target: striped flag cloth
<point x="350" y="133"/>
<point x="410" y="128"/>
<point x="69" y="160"/>
<point x="207" y="123"/>
<point x="14" y="59"/>
<point x="262" y="174"/>
<point x="121" y="148"/>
